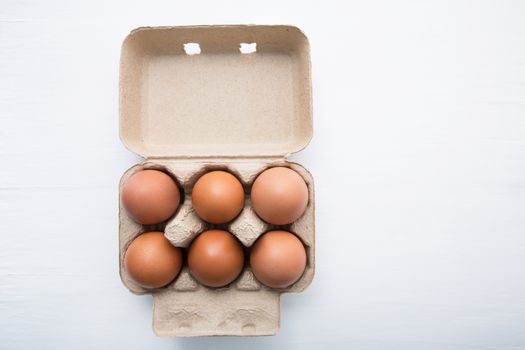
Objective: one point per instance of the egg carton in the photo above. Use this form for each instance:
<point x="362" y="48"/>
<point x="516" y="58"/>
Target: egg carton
<point x="244" y="307"/>
<point x="222" y="97"/>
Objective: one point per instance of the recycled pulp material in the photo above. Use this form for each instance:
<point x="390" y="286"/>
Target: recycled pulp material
<point x="192" y="102"/>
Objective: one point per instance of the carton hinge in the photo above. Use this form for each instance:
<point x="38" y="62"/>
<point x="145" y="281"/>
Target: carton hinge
<point x="218" y="159"/>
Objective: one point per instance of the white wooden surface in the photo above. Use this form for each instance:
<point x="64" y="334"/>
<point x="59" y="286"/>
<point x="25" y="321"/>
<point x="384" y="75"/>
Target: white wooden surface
<point x="418" y="155"/>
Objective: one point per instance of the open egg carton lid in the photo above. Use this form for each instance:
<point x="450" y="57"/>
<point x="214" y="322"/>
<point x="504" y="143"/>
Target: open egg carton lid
<point x="215" y="91"/>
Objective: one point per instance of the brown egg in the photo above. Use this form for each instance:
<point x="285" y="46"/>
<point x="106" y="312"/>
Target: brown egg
<point x="278" y="259"/>
<point x="279" y="196"/>
<point x="215" y="258"/>
<point x="150" y="197"/>
<point x="218" y="197"/>
<point x="152" y="261"/>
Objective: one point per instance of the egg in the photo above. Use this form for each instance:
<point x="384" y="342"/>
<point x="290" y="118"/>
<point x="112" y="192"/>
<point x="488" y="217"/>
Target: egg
<point x="150" y="197"/>
<point x="152" y="261"/>
<point x="278" y="259"/>
<point x="215" y="258"/>
<point x="279" y="196"/>
<point x="217" y="197"/>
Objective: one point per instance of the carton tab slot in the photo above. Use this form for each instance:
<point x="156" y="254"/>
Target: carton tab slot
<point x="192" y="49"/>
<point x="247" y="48"/>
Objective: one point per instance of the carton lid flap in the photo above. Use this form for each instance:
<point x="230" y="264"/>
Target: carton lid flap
<point x="215" y="91"/>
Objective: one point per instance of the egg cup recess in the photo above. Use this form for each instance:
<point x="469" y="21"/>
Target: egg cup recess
<point x="150" y="196"/>
<point x="188" y="128"/>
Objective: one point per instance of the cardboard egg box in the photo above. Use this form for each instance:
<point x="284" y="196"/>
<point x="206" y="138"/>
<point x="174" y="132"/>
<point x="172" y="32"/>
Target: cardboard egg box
<point x="202" y="98"/>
